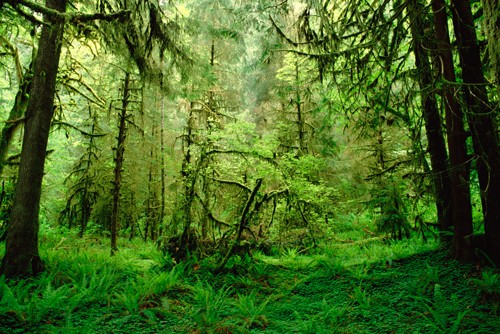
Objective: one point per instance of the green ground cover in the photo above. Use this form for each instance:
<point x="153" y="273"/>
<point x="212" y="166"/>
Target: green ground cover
<point x="401" y="287"/>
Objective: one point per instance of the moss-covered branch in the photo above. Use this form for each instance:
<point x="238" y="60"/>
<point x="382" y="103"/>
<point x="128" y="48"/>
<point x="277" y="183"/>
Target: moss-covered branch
<point x="56" y="16"/>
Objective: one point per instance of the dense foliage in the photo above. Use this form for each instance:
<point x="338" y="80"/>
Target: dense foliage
<point x="288" y="159"/>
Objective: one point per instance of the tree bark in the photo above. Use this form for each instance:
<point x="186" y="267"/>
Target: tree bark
<point x="481" y="119"/>
<point x="432" y="118"/>
<point x="16" y="115"/>
<point x="492" y="30"/>
<point x="21" y="253"/>
<point x="86" y="202"/>
<point x="120" y="150"/>
<point x="459" y="169"/>
<point x="162" y="162"/>
<point x="300" y="115"/>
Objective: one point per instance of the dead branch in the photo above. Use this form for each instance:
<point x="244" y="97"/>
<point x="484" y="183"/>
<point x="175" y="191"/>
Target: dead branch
<point x="242" y="225"/>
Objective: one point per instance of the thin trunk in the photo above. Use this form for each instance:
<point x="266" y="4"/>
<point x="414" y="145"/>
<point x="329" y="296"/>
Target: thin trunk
<point x="120" y="150"/>
<point x="162" y="167"/>
<point x="16" y="115"/>
<point x="212" y="109"/>
<point x="187" y="175"/>
<point x="86" y="206"/>
<point x="149" y="209"/>
<point x="21" y="251"/>
<point x="380" y="148"/>
<point x="459" y="169"/>
<point x="153" y="194"/>
<point x="133" y="218"/>
<point x="432" y="118"/>
<point x="300" y="116"/>
<point x="481" y="118"/>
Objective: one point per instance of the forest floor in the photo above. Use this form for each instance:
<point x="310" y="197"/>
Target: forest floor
<point x="402" y="287"/>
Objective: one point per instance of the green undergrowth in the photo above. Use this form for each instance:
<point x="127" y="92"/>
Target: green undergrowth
<point x="370" y="287"/>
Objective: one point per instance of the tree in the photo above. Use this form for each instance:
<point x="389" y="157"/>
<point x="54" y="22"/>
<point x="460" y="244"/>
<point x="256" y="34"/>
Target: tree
<point x="456" y="135"/>
<point x="491" y="16"/>
<point x="123" y="116"/>
<point x="481" y="117"/>
<point x="432" y="117"/>
<point x="83" y="190"/>
<point x="16" y="115"/>
<point x="21" y="254"/>
<point x="18" y="66"/>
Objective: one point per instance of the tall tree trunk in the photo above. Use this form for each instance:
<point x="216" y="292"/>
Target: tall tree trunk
<point x="300" y="113"/>
<point x="162" y="167"/>
<point x="120" y="150"/>
<point x="492" y="30"/>
<point x="481" y="118"/>
<point x="21" y="252"/>
<point x="152" y="210"/>
<point x="86" y="201"/>
<point x="459" y="169"/>
<point x="190" y="175"/>
<point x="432" y="118"/>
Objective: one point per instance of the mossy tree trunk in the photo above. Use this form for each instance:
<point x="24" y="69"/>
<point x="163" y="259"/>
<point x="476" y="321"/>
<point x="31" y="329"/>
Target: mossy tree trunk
<point x="21" y="254"/>
<point x="16" y="115"/>
<point x="491" y="25"/>
<point x="119" y="157"/>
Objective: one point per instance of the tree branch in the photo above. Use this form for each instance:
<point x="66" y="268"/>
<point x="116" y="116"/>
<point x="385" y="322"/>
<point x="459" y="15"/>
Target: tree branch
<point x="282" y="33"/>
<point x="27" y="16"/>
<point x="218" y="221"/>
<point x="97" y="97"/>
<point x="235" y="183"/>
<point x="243" y="153"/>
<point x="64" y="124"/>
<point x="57" y="16"/>
<point x="98" y="102"/>
<point x="242" y="225"/>
<point x="388" y="169"/>
<point x="17" y="120"/>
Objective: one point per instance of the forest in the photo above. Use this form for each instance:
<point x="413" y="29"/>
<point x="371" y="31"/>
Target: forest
<point x="232" y="166"/>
